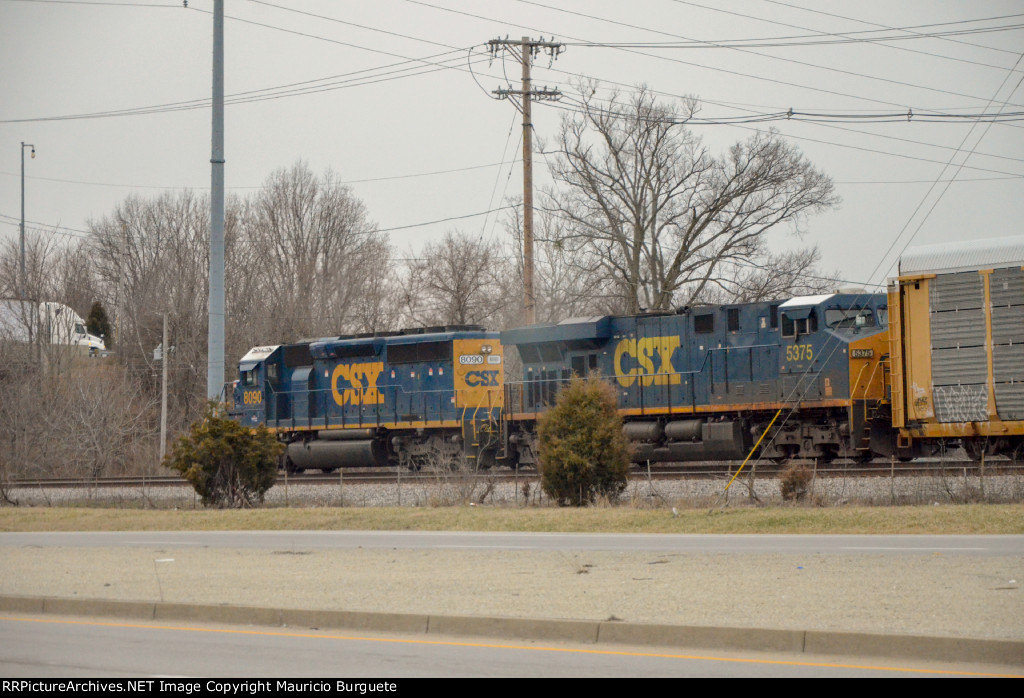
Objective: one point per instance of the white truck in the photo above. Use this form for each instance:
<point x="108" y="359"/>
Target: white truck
<point x="50" y="323"/>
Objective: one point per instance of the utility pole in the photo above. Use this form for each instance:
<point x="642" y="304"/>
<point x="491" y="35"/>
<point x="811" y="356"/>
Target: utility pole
<point x="165" y="354"/>
<point x="527" y="49"/>
<point x="215" y="336"/>
<point x="21" y="269"/>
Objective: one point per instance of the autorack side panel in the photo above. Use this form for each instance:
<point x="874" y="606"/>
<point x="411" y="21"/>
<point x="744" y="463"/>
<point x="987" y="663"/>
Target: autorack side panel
<point x="1006" y="292"/>
<point x="960" y="346"/>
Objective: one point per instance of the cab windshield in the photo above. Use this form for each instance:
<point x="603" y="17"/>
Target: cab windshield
<point x="839" y="318"/>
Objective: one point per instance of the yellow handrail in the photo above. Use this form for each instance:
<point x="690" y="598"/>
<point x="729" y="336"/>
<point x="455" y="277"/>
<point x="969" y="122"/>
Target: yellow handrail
<point x="750" y="455"/>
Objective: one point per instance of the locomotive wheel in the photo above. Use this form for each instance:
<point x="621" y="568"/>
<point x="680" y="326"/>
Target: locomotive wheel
<point x="828" y="455"/>
<point x="792" y="453"/>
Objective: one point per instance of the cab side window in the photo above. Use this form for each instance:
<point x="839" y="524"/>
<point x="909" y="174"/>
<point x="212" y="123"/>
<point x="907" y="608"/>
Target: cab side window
<point x="796" y="327"/>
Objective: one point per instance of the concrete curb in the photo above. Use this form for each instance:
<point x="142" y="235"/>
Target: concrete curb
<point x="971" y="650"/>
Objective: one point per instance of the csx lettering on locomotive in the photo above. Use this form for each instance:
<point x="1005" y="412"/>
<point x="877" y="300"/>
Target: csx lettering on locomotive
<point x="361" y="388"/>
<point x="482" y="379"/>
<point x="642" y="351"/>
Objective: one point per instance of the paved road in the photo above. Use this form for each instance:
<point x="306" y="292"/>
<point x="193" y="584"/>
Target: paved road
<point x="80" y="647"/>
<point x="957" y="590"/>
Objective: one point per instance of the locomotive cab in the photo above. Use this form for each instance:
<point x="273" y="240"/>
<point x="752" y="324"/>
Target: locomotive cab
<point x="250" y="394"/>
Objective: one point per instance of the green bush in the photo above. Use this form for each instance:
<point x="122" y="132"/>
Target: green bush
<point x="583" y="452"/>
<point x="230" y="466"/>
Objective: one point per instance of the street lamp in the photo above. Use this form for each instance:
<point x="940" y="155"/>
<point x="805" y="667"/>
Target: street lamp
<point x="22" y="276"/>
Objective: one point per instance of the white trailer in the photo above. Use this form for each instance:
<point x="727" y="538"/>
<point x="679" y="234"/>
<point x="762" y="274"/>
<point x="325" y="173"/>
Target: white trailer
<point x="49" y="323"/>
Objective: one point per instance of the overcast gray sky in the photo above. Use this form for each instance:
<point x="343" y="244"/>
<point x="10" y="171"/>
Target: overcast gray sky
<point x="395" y="97"/>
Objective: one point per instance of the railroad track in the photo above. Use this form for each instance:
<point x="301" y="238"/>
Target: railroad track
<point x="923" y="468"/>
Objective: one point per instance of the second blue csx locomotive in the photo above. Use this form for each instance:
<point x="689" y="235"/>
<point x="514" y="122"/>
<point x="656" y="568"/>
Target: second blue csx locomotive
<point x="703" y="383"/>
<point x="696" y="384"/>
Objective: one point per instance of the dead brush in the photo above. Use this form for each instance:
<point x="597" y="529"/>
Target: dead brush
<point x="795" y="482"/>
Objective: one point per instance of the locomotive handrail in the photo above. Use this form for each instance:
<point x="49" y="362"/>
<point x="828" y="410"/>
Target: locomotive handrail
<point x="315" y="394"/>
<point x="871" y="379"/>
<point x="856" y="382"/>
<point x="645" y="381"/>
<point x="490" y="406"/>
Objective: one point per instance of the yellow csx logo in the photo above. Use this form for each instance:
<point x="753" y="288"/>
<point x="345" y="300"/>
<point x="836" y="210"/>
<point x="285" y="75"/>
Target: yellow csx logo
<point x="360" y="386"/>
<point x="252" y="397"/>
<point x="645" y="351"/>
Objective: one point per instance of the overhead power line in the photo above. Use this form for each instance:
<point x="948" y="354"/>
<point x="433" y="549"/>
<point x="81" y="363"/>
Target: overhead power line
<point x="74" y="232"/>
<point x="792" y="41"/>
<point x="672" y="59"/>
<point x="389" y="178"/>
<point x="342" y="81"/>
<point x="876" y="24"/>
<point x="177" y="6"/>
<point x="817" y="66"/>
<point x="882" y="44"/>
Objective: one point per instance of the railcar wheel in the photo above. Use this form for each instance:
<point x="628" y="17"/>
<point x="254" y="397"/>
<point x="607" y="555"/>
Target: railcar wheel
<point x="975" y="447"/>
<point x="1015" y="451"/>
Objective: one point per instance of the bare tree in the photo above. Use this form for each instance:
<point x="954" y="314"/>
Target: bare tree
<point x="150" y="256"/>
<point x="377" y="307"/>
<point x="42" y="251"/>
<point x="453" y="282"/>
<point x="564" y="285"/>
<point x="772" y="277"/>
<point x="73" y="281"/>
<point x="314" y="248"/>
<point x="661" y="215"/>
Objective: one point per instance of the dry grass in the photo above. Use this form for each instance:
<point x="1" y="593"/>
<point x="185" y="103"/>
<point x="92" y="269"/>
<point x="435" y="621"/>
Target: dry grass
<point x="944" y="519"/>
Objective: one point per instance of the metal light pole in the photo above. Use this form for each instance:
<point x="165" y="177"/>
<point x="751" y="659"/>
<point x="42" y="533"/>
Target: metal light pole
<point x="215" y="351"/>
<point x="21" y="277"/>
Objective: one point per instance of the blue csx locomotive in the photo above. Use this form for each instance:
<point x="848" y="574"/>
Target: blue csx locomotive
<point x="405" y="397"/>
<point x="696" y="384"/>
